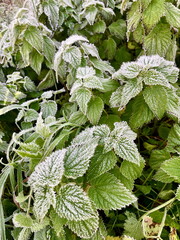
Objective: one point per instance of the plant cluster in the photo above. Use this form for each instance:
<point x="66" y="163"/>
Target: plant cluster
<point x="89" y="121"/>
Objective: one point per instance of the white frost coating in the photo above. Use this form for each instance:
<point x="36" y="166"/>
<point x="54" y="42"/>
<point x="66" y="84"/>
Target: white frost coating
<point x="153" y="61"/>
<point x="74" y="38"/>
<point x="130" y="69"/>
<point x="85" y="72"/>
<point x="73" y="203"/>
<point x="50" y="171"/>
<point x="90" y="49"/>
<point x="121" y="129"/>
<point x="101" y="131"/>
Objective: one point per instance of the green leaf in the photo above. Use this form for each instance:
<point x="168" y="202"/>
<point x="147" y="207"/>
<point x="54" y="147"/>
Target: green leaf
<point x="2" y="223"/>
<point x="36" y="60"/>
<point x="25" y="50"/>
<point x="90" y="49"/>
<point x="34" y="37"/>
<point x="24" y="234"/>
<point x="108" y="49"/>
<point x="156" y="99"/>
<point x="78" y="118"/>
<point x="77" y="158"/>
<point x="162" y="176"/>
<point x="172" y="168"/>
<point x="153" y="13"/>
<point x="30" y="115"/>
<point x="173" y="104"/>
<point x="158" y="40"/>
<point x="133" y="17"/>
<point x="48" y="81"/>
<point x="133" y="227"/>
<point x="141" y="113"/>
<point x="102" y="65"/>
<point x="22" y="220"/>
<point x="50" y="171"/>
<point x="38" y="226"/>
<point x="84" y="228"/>
<point x="95" y="108"/>
<point x="73" y="56"/>
<point x="99" y="27"/>
<point x="83" y="96"/>
<point x="51" y="9"/>
<point x="173" y="138"/>
<point x="44" y="198"/>
<point x="57" y="222"/>
<point x="90" y="14"/>
<point x="108" y="193"/>
<point x="48" y="108"/>
<point x="101" y="163"/>
<point x="130" y="69"/>
<point x="73" y="203"/>
<point x="42" y="128"/>
<point x="172" y="15"/>
<point x="153" y="77"/>
<point x="157" y="157"/>
<point x="178" y="193"/>
<point x="118" y="29"/>
<point x="48" y="49"/>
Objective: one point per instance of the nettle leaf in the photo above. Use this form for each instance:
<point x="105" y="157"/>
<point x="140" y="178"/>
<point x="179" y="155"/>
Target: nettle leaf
<point x="38" y="226"/>
<point x="153" y="13"/>
<point x="118" y="29"/>
<point x="77" y="158"/>
<point x="130" y="69"/>
<point x="173" y="103"/>
<point x="22" y="220"/>
<point x="172" y="168"/>
<point x="44" y="198"/>
<point x="73" y="203"/>
<point x="108" y="193"/>
<point x="115" y="99"/>
<point x="173" y="138"/>
<point x="90" y="14"/>
<point x="84" y="228"/>
<point x="133" y="17"/>
<point x="141" y="113"/>
<point x="93" y="82"/>
<point x="101" y="163"/>
<point x="121" y="129"/>
<point x="50" y="171"/>
<point x="170" y="72"/>
<point x="153" y="77"/>
<point x="156" y="99"/>
<point x="24" y="234"/>
<point x="162" y="176"/>
<point x="51" y="9"/>
<point x="34" y="37"/>
<point x="90" y="49"/>
<point x="42" y="128"/>
<point x="57" y="222"/>
<point x="95" y="108"/>
<point x="104" y="66"/>
<point x="178" y="193"/>
<point x="83" y="96"/>
<point x="172" y="15"/>
<point x="85" y="137"/>
<point x="48" y="108"/>
<point x="108" y="49"/>
<point x="99" y="27"/>
<point x="36" y="60"/>
<point x="153" y="61"/>
<point x="73" y="56"/>
<point x="158" y="40"/>
<point x="85" y="72"/>
<point x="48" y="49"/>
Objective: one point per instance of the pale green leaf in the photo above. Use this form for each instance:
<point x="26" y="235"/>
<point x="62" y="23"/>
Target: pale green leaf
<point x="99" y="27"/>
<point x="24" y="234"/>
<point x="57" y="222"/>
<point x="48" y="81"/>
<point x="25" y="50"/>
<point x="102" y="65"/>
<point x="115" y="99"/>
<point x="73" y="56"/>
<point x="173" y="138"/>
<point x="107" y="192"/>
<point x="95" y="108"/>
<point x="9" y="108"/>
<point x="133" y="17"/>
<point x="30" y="115"/>
<point x="172" y="168"/>
<point x="85" y="72"/>
<point x="78" y="118"/>
<point x="42" y="128"/>
<point x="44" y="198"/>
<point x="162" y="176"/>
<point x="2" y="223"/>
<point x="36" y="60"/>
<point x="38" y="226"/>
<point x="153" y="13"/>
<point x="84" y="228"/>
<point x="153" y="77"/>
<point x="48" y="49"/>
<point x="156" y="99"/>
<point x="90" y="14"/>
<point x="170" y="72"/>
<point x="93" y="83"/>
<point x="178" y="193"/>
<point x="118" y="29"/>
<point x="51" y="9"/>
<point x="73" y="203"/>
<point x="48" y="108"/>
<point x="173" y="104"/>
<point x="158" y="40"/>
<point x="22" y="220"/>
<point x="101" y="163"/>
<point x="90" y="49"/>
<point x="34" y="37"/>
<point x="50" y="171"/>
<point x="78" y="156"/>
<point x="172" y="15"/>
<point x="141" y="113"/>
<point x="83" y="96"/>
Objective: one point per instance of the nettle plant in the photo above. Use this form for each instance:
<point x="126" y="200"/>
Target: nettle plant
<point x="73" y="183"/>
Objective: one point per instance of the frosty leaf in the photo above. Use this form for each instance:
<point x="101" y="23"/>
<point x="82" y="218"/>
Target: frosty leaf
<point x="172" y="15"/>
<point x="172" y="168"/>
<point x="153" y="13"/>
<point x="101" y="131"/>
<point x="158" y="40"/>
<point x="162" y="176"/>
<point x="102" y="65"/>
<point x="178" y="193"/>
<point x="51" y="9"/>
<point x="34" y="38"/>
<point x="108" y="193"/>
<point x="49" y="49"/>
<point x="153" y="77"/>
<point x="121" y="129"/>
<point x="173" y="104"/>
<point x="153" y="61"/>
<point x="141" y="113"/>
<point x="84" y="228"/>
<point x="73" y="56"/>
<point x="130" y="69"/>
<point x="156" y="99"/>
<point x="50" y="171"/>
<point x="133" y="227"/>
<point x="78" y="118"/>
<point x="85" y="137"/>
<point x="118" y="29"/>
<point x="73" y="203"/>
<point x="130" y="90"/>
<point x="85" y="72"/>
<point x="90" y="14"/>
<point x="44" y="198"/>
<point x="101" y="163"/>
<point x="77" y="158"/>
<point x="83" y="96"/>
<point x="127" y="150"/>
<point x="74" y="38"/>
<point x="36" y="60"/>
<point x="115" y="99"/>
<point x="24" y="234"/>
<point x="170" y="73"/>
<point x="95" y="108"/>
<point x="90" y="49"/>
<point x="133" y="17"/>
<point x="37" y="226"/>
<point x="30" y="115"/>
<point x="22" y="220"/>
<point x="48" y="108"/>
<point x="42" y="128"/>
<point x="57" y="222"/>
<point x="173" y="138"/>
<point x="93" y="82"/>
